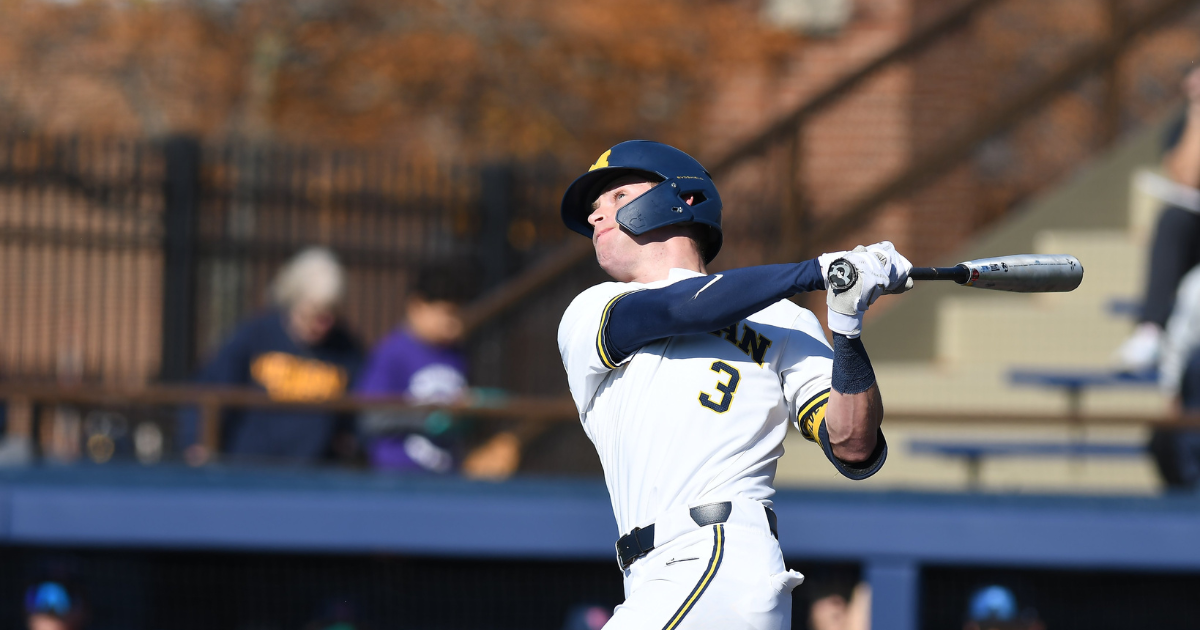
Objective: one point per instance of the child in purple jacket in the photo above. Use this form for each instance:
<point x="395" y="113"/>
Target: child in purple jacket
<point x="421" y="360"/>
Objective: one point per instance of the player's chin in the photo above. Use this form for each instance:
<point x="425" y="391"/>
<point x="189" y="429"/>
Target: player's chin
<point x="604" y="253"/>
<point x="613" y="265"/>
<point x="608" y="266"/>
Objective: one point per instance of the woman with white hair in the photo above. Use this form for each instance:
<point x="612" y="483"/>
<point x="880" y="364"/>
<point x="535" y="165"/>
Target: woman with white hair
<point x="296" y="351"/>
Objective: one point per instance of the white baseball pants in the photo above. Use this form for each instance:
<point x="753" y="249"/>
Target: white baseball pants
<point x="729" y="576"/>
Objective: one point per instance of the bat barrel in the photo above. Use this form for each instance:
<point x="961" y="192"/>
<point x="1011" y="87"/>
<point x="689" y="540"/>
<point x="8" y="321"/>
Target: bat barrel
<point x="1025" y="273"/>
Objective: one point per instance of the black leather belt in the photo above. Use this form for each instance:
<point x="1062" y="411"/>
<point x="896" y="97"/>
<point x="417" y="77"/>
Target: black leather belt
<point x="640" y="541"/>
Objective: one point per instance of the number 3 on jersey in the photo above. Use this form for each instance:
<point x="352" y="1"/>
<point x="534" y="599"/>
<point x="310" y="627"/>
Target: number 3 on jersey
<point x="727" y="388"/>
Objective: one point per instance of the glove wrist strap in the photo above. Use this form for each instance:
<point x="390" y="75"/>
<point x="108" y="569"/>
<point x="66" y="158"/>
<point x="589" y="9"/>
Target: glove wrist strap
<point x="848" y="325"/>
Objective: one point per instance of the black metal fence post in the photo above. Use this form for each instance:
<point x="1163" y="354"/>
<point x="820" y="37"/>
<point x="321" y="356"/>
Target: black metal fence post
<point x="494" y="257"/>
<point x="496" y="202"/>
<point x="182" y="199"/>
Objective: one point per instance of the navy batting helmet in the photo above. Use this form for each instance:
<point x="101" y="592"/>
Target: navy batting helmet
<point x="679" y="177"/>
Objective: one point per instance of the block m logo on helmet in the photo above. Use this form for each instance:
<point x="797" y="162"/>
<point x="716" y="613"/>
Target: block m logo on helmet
<point x="602" y="161"/>
<point x="679" y="178"/>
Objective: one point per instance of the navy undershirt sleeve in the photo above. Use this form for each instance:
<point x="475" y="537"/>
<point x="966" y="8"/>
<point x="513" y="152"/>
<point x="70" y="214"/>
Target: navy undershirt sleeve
<point x="703" y="304"/>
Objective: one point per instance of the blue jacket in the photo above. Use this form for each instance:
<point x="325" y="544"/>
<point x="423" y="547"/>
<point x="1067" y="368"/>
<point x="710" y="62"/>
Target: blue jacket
<point x="261" y="354"/>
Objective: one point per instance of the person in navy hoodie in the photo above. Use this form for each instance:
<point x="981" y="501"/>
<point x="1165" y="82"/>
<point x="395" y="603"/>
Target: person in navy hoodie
<point x="298" y="350"/>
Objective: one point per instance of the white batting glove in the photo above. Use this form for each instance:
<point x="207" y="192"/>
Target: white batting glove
<point x="897" y="267"/>
<point x="853" y="281"/>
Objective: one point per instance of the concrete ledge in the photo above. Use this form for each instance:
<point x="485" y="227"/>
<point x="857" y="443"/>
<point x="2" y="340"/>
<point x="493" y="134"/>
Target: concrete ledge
<point x="342" y="513"/>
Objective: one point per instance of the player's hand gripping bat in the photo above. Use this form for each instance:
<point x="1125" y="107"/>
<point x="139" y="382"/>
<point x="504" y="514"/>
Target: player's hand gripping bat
<point x="1021" y="273"/>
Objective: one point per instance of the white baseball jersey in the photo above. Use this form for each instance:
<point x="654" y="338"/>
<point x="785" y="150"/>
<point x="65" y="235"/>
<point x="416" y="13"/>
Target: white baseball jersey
<point x="691" y="419"/>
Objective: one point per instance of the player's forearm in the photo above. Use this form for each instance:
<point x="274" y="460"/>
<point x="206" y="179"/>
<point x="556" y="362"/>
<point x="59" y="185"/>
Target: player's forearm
<point x="855" y="406"/>
<point x="705" y="303"/>
<point x="1182" y="163"/>
<point x="854" y="421"/>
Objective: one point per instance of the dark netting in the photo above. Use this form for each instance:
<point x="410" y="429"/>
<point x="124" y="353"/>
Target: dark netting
<point x="171" y="590"/>
<point x="1065" y="600"/>
<point x="243" y="591"/>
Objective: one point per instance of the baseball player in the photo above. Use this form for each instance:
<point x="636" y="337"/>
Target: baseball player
<point x="685" y="383"/>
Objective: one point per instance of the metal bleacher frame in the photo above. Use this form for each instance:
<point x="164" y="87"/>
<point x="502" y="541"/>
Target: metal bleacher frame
<point x="1072" y="383"/>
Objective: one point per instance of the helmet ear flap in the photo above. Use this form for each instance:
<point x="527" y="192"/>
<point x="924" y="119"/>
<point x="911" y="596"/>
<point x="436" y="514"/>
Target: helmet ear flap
<point x="658" y="207"/>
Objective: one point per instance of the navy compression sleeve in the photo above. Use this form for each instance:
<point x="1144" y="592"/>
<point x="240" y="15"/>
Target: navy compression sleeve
<point x="852" y="371"/>
<point x="702" y="304"/>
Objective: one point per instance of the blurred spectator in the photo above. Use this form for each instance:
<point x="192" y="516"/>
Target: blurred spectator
<point x="422" y="360"/>
<point x="296" y="351"/>
<point x="587" y="617"/>
<point x="1177" y="451"/>
<point x="52" y="606"/>
<point x="834" y="612"/>
<point x="995" y="608"/>
<point x="1176" y="245"/>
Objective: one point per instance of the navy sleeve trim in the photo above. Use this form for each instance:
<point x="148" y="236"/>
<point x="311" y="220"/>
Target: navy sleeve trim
<point x="811" y="422"/>
<point x="812" y="415"/>
<point x="608" y="356"/>
<point x="856" y="471"/>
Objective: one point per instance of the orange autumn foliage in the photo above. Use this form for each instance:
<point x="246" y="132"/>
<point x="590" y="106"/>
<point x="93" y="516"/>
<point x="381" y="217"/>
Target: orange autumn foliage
<point x="439" y="78"/>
